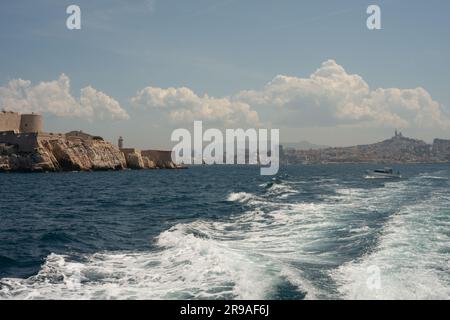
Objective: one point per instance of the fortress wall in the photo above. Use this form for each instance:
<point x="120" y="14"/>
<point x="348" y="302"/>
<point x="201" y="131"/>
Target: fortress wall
<point x="26" y="142"/>
<point x="26" y="123"/>
<point x="9" y="121"/>
<point x="51" y="136"/>
<point x="130" y="150"/>
<point x="158" y="156"/>
<point x="79" y="135"/>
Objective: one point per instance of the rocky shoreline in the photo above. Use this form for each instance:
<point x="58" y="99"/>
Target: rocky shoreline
<point x="74" y="155"/>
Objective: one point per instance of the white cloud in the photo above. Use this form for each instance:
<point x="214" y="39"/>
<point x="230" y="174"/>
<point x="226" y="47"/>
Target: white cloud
<point x="331" y="96"/>
<point x="54" y="97"/>
<point x="327" y="98"/>
<point x="406" y="108"/>
<point x="183" y="105"/>
<point x="102" y="106"/>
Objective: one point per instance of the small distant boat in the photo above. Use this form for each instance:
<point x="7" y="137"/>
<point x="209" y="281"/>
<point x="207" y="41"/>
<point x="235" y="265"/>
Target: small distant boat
<point x="386" y="173"/>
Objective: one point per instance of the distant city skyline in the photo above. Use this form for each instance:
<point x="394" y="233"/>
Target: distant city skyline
<point x="312" y="69"/>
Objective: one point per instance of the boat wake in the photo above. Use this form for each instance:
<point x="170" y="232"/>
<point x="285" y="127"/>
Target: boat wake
<point x="283" y="246"/>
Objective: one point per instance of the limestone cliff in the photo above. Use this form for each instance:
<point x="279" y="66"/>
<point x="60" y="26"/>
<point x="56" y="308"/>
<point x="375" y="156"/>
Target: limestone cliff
<point x="134" y="160"/>
<point x="63" y="155"/>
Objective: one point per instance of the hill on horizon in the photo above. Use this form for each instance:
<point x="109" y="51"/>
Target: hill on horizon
<point x="303" y="145"/>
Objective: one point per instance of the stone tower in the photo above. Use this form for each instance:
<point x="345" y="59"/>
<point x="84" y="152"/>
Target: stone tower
<point x="120" y="144"/>
<point x="31" y="123"/>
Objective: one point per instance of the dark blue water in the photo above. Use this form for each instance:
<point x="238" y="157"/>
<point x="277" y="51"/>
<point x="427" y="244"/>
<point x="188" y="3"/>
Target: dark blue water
<point x="215" y="232"/>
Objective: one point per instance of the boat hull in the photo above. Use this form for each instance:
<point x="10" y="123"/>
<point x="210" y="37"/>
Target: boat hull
<point x="378" y="175"/>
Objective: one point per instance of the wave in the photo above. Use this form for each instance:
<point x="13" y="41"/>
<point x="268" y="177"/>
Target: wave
<point x="411" y="258"/>
<point x="433" y="177"/>
<point x="185" y="266"/>
<point x="232" y="259"/>
<point x="240" y="196"/>
<point x="281" y="243"/>
<point x="281" y="190"/>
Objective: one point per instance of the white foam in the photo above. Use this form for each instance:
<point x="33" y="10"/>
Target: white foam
<point x="188" y="267"/>
<point x="281" y="190"/>
<point x="184" y="266"/>
<point x="433" y="177"/>
<point x="411" y="258"/>
<point x="240" y="196"/>
<point x="247" y="256"/>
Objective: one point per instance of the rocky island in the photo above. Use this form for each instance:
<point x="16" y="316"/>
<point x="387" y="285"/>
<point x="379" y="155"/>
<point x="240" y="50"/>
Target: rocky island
<point x="24" y="147"/>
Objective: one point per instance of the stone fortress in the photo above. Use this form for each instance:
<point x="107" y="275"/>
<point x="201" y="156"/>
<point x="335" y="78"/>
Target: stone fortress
<point x="23" y="130"/>
<point x="26" y="123"/>
<point x="24" y="146"/>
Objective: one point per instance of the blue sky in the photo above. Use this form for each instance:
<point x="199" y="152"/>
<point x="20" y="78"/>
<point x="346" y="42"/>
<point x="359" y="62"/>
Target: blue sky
<point x="222" y="48"/>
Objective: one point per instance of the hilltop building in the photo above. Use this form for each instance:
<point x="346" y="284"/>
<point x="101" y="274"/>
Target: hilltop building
<point x="398" y="134"/>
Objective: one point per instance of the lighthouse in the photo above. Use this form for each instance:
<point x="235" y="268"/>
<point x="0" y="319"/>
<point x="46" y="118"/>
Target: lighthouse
<point x="120" y="143"/>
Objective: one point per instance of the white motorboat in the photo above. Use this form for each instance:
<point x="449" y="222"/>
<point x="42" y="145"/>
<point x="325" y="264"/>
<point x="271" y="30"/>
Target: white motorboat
<point x="386" y="173"/>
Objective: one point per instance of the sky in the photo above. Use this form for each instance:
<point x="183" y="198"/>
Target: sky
<point x="140" y="69"/>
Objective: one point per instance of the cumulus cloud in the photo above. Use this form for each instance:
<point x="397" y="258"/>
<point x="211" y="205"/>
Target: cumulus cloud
<point x="330" y="96"/>
<point x="183" y="105"/>
<point x="54" y="97"/>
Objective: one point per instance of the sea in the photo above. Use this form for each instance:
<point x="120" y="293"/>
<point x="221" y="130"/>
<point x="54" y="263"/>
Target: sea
<point x="226" y="232"/>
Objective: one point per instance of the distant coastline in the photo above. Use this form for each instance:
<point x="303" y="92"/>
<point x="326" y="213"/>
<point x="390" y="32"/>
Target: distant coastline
<point x="25" y="147"/>
<point x="396" y="150"/>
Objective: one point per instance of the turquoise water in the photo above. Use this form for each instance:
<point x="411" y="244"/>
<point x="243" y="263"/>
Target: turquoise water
<point x="219" y="232"/>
